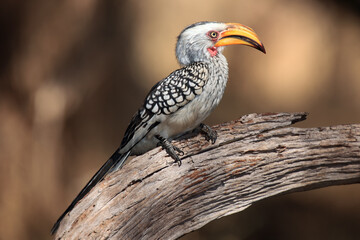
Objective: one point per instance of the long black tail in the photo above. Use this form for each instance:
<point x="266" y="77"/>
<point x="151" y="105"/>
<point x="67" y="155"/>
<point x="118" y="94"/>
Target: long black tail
<point x="115" y="162"/>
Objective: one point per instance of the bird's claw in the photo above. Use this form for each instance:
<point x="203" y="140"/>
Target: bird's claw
<point x="180" y="152"/>
<point x="170" y="149"/>
<point x="210" y="135"/>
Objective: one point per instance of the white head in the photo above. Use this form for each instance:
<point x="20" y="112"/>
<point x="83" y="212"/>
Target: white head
<point x="201" y="41"/>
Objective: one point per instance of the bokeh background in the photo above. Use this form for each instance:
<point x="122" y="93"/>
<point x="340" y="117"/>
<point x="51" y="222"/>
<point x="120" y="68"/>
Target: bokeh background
<point x="72" y="74"/>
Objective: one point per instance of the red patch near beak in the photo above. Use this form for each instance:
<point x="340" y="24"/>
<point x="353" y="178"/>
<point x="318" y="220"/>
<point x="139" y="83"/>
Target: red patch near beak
<point x="213" y="51"/>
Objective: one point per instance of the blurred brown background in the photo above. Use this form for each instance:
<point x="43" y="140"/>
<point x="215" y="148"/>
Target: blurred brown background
<point x="72" y="73"/>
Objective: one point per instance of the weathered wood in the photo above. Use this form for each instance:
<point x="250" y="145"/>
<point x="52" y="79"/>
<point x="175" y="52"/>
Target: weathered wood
<point x="255" y="157"/>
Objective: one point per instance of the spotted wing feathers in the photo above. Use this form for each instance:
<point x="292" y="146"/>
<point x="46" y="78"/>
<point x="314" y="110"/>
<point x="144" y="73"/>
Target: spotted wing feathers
<point x="179" y="88"/>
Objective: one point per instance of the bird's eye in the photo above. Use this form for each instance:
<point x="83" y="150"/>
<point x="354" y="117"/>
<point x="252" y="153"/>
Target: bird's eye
<point x="213" y="34"/>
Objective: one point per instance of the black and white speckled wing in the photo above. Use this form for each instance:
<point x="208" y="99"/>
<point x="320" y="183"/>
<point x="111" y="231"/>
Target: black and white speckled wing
<point x="165" y="98"/>
<point x="178" y="89"/>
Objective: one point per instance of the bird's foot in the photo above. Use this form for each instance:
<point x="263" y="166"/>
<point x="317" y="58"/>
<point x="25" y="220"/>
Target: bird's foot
<point x="210" y="135"/>
<point x="170" y="149"/>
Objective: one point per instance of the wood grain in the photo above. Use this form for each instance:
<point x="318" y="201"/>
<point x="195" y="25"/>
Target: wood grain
<point x="255" y="157"/>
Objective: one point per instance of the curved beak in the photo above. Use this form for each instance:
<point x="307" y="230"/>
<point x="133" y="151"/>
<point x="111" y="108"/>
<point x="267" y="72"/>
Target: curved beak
<point x="237" y="33"/>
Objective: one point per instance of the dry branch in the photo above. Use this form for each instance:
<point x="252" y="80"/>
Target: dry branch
<point x="255" y="157"/>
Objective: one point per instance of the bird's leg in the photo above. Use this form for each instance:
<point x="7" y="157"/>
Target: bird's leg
<point x="170" y="149"/>
<point x="210" y="135"/>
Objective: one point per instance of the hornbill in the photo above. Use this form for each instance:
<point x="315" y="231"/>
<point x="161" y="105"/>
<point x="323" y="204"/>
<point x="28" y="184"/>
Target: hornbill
<point x="181" y="101"/>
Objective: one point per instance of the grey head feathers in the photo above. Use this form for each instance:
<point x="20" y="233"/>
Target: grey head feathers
<point x="193" y="42"/>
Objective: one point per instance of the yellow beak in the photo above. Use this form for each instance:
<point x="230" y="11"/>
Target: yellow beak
<point x="239" y="34"/>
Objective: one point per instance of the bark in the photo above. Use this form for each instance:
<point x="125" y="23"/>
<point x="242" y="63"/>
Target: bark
<point x="255" y="157"/>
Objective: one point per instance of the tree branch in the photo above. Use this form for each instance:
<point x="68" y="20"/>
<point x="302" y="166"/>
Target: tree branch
<point x="255" y="157"/>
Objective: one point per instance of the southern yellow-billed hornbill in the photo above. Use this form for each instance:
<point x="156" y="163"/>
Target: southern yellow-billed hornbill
<point x="181" y="101"/>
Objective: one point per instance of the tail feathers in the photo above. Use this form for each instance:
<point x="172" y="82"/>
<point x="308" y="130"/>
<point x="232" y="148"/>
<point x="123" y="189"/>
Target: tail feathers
<point x="115" y="162"/>
<point x="120" y="162"/>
